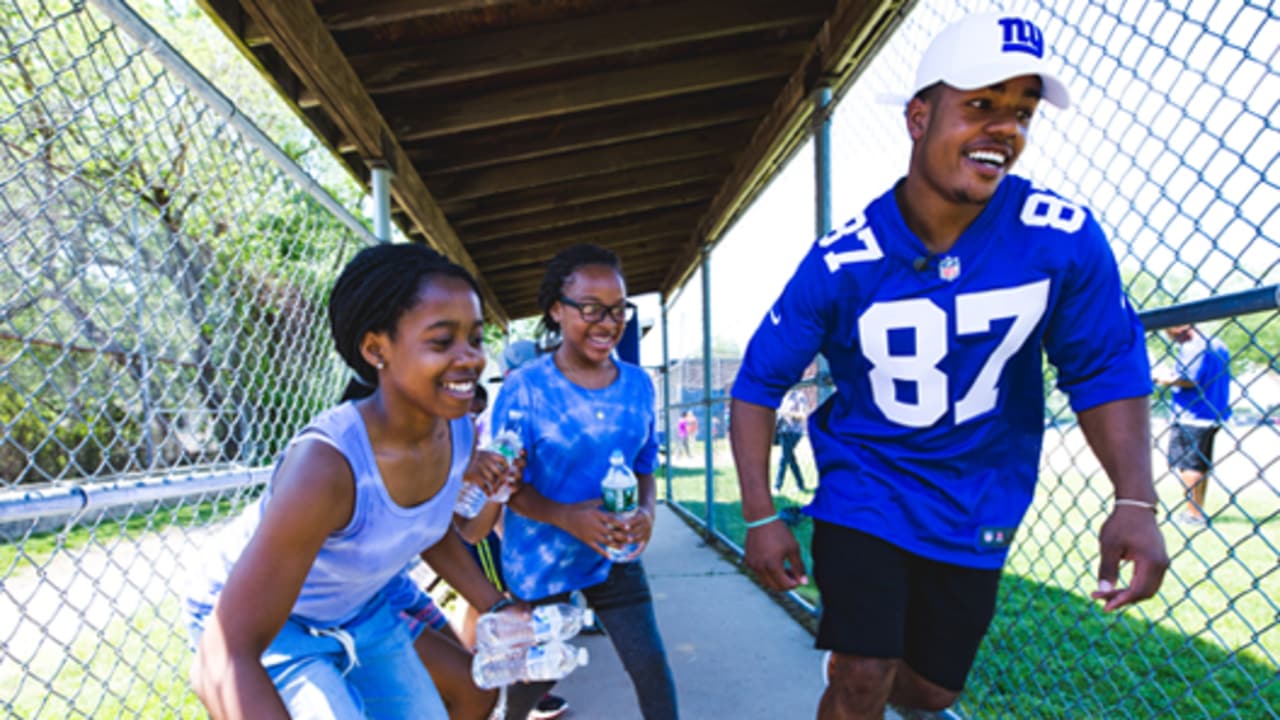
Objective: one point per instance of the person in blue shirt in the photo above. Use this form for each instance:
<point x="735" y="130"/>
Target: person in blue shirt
<point x="1201" y="386"/>
<point x="579" y="404"/>
<point x="933" y="307"/>
<point x="298" y="609"/>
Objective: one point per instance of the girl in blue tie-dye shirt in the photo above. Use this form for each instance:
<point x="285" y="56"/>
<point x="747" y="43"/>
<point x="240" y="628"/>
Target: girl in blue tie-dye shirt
<point x="579" y="404"/>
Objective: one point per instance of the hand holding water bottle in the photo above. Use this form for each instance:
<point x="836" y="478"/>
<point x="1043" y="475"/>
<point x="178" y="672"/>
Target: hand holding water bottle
<point x="496" y="469"/>
<point x="488" y="478"/>
<point x="630" y="525"/>
<point x="518" y="643"/>
<point x="634" y="532"/>
<point x="508" y="443"/>
<point x="523" y="626"/>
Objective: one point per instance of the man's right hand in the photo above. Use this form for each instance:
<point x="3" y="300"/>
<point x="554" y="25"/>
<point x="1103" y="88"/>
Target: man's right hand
<point x="773" y="555"/>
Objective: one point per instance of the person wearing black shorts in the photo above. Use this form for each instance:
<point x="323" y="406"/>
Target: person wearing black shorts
<point x="1201" y="384"/>
<point x="934" y="309"/>
<point x="881" y="601"/>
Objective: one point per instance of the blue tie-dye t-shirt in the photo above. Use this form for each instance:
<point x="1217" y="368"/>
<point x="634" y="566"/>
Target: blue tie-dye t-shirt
<point x="569" y="432"/>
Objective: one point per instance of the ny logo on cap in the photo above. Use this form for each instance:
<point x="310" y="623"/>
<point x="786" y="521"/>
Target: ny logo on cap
<point x="1021" y="36"/>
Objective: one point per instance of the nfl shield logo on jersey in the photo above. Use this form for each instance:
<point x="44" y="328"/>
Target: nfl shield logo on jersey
<point x="949" y="268"/>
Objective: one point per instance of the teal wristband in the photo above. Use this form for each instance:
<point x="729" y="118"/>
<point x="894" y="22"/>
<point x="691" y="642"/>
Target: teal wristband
<point x="762" y="521"/>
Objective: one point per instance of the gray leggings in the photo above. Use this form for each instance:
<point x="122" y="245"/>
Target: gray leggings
<point x="625" y="608"/>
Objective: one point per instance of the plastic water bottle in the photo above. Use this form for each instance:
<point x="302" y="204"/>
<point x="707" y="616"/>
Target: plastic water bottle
<point x="537" y="663"/>
<point x="507" y="443"/>
<point x="513" y="627"/>
<point x="471" y="500"/>
<point x="619" y="491"/>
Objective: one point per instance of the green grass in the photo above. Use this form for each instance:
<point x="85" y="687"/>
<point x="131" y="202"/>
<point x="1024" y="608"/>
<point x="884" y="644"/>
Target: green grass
<point x="34" y="551"/>
<point x="1206" y="646"/>
<point x="133" y="668"/>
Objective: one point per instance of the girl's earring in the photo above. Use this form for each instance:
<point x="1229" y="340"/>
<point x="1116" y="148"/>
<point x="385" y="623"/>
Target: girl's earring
<point x="380" y="365"/>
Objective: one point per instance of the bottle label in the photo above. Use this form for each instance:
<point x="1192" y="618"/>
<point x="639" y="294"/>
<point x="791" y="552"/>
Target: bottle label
<point x="619" y="499"/>
<point x="543" y="624"/>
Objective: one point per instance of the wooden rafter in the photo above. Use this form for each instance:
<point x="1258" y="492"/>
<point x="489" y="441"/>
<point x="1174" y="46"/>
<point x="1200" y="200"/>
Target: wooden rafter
<point x="854" y="27"/>
<point x="519" y="49"/>
<point x="299" y="36"/>
<point x="591" y="91"/>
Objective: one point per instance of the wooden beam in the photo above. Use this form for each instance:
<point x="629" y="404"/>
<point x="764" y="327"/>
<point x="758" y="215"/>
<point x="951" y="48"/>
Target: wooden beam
<point x="228" y="14"/>
<point x="588" y="92"/>
<point x="521" y="286"/>
<point x="525" y="281"/>
<point x="654" y="246"/>
<point x="579" y="131"/>
<point x="466" y="213"/>
<point x="475" y="57"/>
<point x="300" y="37"/>
<point x="845" y="39"/>
<point x="579" y="213"/>
<point x="452" y="187"/>
<point x="664" y="224"/>
<point x="356" y="14"/>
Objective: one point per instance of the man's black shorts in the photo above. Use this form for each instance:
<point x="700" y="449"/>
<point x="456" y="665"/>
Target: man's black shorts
<point x="881" y="601"/>
<point x="1191" y="446"/>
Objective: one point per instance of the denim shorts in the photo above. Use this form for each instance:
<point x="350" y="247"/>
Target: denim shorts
<point x="364" y="668"/>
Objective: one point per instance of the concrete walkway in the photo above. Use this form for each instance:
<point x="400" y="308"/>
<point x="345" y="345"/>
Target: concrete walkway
<point x="734" y="652"/>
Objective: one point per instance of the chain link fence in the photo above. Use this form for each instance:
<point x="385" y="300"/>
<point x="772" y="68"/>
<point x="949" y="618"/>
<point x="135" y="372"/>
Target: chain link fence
<point x="161" y="333"/>
<point x="1172" y="141"/>
<point x="163" y="270"/>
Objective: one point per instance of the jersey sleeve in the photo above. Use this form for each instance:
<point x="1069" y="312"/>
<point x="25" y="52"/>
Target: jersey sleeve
<point x="1094" y="338"/>
<point x="790" y="334"/>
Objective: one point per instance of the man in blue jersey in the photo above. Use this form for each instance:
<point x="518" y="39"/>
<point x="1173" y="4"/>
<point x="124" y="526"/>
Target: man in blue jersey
<point x="1201" y="385"/>
<point x="932" y="308"/>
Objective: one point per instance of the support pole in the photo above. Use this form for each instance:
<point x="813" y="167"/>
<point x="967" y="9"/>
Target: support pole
<point x="381" y="181"/>
<point x="708" y="446"/>
<point x="822" y="158"/>
<point x="666" y="396"/>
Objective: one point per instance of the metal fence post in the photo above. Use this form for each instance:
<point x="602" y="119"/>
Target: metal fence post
<point x="822" y="158"/>
<point x="708" y="427"/>
<point x="380" y="179"/>
<point x="666" y="393"/>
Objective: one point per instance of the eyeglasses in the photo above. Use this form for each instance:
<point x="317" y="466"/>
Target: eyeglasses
<point x="594" y="312"/>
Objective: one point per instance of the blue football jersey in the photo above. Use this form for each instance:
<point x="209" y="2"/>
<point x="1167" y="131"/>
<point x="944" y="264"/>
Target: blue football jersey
<point x="932" y="439"/>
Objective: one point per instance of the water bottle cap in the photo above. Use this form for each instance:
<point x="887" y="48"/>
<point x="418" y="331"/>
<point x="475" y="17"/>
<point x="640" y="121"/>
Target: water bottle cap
<point x="588" y="617"/>
<point x="617" y="458"/>
<point x="583" y="656"/>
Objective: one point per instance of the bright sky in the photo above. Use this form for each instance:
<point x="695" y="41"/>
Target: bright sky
<point x="1171" y="140"/>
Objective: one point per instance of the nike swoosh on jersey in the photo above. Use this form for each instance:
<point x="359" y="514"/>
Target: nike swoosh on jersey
<point x="774" y="317"/>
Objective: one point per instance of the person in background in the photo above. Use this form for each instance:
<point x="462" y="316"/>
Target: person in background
<point x="580" y="403"/>
<point x="1201" y="384"/>
<point x="933" y="308"/>
<point x="293" y="613"/>
<point x="686" y="429"/>
<point x="790" y="428"/>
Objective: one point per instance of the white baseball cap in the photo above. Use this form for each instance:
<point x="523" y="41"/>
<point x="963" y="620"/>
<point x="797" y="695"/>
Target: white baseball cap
<point x="988" y="48"/>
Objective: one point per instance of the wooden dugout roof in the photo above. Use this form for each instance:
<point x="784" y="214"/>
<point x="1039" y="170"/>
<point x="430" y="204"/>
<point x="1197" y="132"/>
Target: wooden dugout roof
<point x="515" y="128"/>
